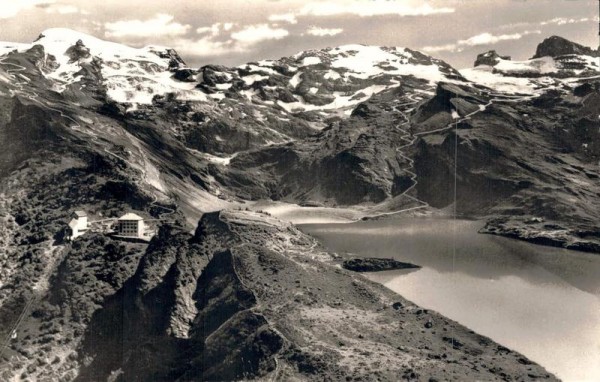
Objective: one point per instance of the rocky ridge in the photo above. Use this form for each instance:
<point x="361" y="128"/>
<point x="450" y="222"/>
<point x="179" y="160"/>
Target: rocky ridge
<point x="245" y="297"/>
<point x="556" y="46"/>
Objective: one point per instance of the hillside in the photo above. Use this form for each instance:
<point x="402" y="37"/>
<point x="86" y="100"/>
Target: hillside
<point x="245" y="297"/>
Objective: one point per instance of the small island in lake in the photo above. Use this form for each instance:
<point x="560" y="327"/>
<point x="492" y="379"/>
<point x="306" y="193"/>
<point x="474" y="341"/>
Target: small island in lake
<point x="374" y="264"/>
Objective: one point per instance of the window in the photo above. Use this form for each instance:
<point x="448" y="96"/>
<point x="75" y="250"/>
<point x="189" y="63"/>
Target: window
<point x="129" y="227"/>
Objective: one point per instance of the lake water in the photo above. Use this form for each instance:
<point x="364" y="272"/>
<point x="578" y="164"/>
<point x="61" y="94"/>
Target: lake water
<point x="543" y="302"/>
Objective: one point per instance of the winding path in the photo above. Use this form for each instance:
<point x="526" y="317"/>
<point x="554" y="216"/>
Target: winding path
<point x="411" y="138"/>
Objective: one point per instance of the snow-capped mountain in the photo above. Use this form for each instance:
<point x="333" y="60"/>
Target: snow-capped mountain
<point x="320" y="109"/>
<point x="266" y="102"/>
<point x="557" y="62"/>
<point x="330" y="79"/>
<point x="129" y="74"/>
<point x="318" y="80"/>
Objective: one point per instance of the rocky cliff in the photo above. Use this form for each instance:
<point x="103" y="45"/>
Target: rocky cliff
<point x="556" y="46"/>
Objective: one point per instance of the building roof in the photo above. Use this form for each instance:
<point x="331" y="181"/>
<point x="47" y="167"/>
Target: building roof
<point x="80" y="213"/>
<point x="131" y="216"/>
<point x="73" y="223"/>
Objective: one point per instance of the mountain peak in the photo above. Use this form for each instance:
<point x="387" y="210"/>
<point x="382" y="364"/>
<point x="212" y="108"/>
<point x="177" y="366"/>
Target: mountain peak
<point x="490" y="58"/>
<point x="57" y="41"/>
<point x="64" y="34"/>
<point x="556" y="46"/>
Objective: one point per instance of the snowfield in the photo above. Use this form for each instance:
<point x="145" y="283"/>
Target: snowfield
<point x="131" y="75"/>
<point x="137" y="76"/>
<point x="505" y="84"/>
<point x="529" y="76"/>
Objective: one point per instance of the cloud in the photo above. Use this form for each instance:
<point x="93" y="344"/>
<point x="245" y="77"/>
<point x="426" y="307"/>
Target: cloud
<point x="371" y="8"/>
<point x="362" y="8"/>
<point x="10" y="8"/>
<point x="215" y="29"/>
<point x="252" y="34"/>
<point x="554" y="21"/>
<point x="161" y="24"/>
<point x="441" y="48"/>
<point x="63" y="9"/>
<point x="316" y="31"/>
<point x="242" y="40"/>
<point x="206" y="47"/>
<point x="478" y="40"/>
<point x="287" y="17"/>
<point x="564" y="20"/>
<point x="488" y="38"/>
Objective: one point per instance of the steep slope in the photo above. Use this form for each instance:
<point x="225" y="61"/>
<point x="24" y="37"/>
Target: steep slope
<point x="548" y="195"/>
<point x="352" y="161"/>
<point x="396" y="152"/>
<point x="284" y="130"/>
<point x="205" y="117"/>
<point x="247" y="297"/>
<point x="224" y="110"/>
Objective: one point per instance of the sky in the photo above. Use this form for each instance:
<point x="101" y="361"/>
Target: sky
<point x="233" y="32"/>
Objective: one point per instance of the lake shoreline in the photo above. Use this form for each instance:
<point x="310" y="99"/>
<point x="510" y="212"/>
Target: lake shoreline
<point x="528" y="228"/>
<point x="527" y="297"/>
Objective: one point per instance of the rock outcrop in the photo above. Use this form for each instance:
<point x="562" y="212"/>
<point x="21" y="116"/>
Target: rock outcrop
<point x="375" y="264"/>
<point x="556" y="46"/>
<point x="490" y="58"/>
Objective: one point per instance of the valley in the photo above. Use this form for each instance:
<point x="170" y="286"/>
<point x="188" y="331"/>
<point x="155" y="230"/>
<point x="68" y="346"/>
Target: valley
<point x="229" y="160"/>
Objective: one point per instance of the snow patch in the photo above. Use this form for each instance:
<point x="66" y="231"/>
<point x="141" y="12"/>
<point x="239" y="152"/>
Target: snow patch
<point x="213" y="158"/>
<point x="311" y="60"/>
<point x="332" y="75"/>
<point x="256" y="68"/>
<point x="295" y="81"/>
<point x="483" y="75"/>
<point x="341" y="100"/>
<point x="130" y="74"/>
<point x="223" y="86"/>
<point x="542" y="65"/>
<point x="7" y="47"/>
<point x="249" y="80"/>
<point x="367" y="61"/>
<point x="86" y="120"/>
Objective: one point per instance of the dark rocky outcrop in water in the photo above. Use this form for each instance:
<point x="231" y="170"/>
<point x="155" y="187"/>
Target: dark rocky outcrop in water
<point x="374" y="264"/>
